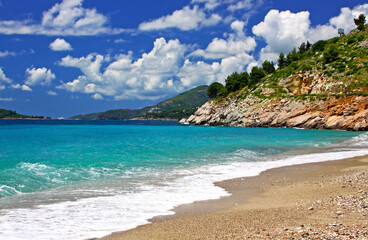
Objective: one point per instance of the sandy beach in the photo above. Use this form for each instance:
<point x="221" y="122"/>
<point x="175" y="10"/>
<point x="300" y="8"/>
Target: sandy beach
<point x="326" y="200"/>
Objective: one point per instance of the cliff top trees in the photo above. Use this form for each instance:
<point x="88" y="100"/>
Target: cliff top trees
<point x="213" y="89"/>
<point x="360" y="21"/>
<point x="268" y="67"/>
<point x="236" y="81"/>
<point x="281" y="62"/>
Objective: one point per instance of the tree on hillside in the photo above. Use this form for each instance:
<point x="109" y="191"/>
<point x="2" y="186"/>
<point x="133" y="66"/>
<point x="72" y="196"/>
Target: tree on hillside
<point x="309" y="45"/>
<point x="303" y="48"/>
<point x="236" y="81"/>
<point x="360" y="21"/>
<point x="214" y="89"/>
<point x="281" y="62"/>
<point x="293" y="56"/>
<point x="256" y="75"/>
<point x="268" y="67"/>
<point x="319" y="46"/>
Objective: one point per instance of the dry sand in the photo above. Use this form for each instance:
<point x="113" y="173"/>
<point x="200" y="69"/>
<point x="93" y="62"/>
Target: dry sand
<point x="327" y="200"/>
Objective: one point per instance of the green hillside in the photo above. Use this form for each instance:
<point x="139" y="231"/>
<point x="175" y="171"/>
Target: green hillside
<point x="339" y="65"/>
<point x="9" y="114"/>
<point x="176" y="107"/>
<point x="90" y="116"/>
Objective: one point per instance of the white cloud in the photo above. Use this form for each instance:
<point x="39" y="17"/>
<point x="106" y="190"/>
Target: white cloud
<point x="97" y="96"/>
<point x="149" y="77"/>
<point x="22" y="87"/>
<point x="7" y="53"/>
<point x="209" y="4"/>
<point x="235" y="44"/>
<point x="346" y="18"/>
<point x="184" y="19"/>
<point x="284" y="30"/>
<point x="241" y="5"/>
<point x="60" y="45"/>
<point x="51" y="93"/>
<point x="3" y="77"/>
<point x="7" y="99"/>
<point x="198" y="73"/>
<point x="39" y="76"/>
<point x="162" y="72"/>
<point x="67" y="18"/>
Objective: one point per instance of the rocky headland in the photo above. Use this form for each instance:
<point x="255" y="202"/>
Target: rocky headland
<point x="327" y="112"/>
<point x="325" y="87"/>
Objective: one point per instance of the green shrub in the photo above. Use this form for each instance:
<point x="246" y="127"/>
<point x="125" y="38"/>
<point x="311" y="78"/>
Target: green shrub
<point x="334" y="40"/>
<point x="319" y="46"/>
<point x="360" y="38"/>
<point x="330" y="55"/>
<point x="213" y="90"/>
<point x="328" y="73"/>
<point x="351" y="40"/>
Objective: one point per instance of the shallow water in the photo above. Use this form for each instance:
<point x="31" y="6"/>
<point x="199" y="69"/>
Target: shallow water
<point x="83" y="179"/>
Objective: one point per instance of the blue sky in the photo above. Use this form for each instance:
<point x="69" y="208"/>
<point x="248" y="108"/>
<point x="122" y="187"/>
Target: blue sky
<point x="67" y="57"/>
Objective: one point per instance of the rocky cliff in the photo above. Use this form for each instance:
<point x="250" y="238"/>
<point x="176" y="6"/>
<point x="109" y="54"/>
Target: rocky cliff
<point x="325" y="86"/>
<point x="306" y="105"/>
<point x="349" y="113"/>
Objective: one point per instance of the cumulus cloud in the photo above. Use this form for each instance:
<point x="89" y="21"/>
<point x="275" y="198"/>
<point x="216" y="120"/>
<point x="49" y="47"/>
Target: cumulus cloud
<point x="4" y="80"/>
<point x="200" y="72"/>
<point x="162" y="72"/>
<point x="97" y="96"/>
<point x="284" y="30"/>
<point x="3" y="77"/>
<point x="184" y="19"/>
<point x="149" y="77"/>
<point x="22" y="87"/>
<point x="236" y="43"/>
<point x="345" y="19"/>
<point x="39" y="76"/>
<point x="67" y="18"/>
<point x="60" y="45"/>
<point x="51" y="93"/>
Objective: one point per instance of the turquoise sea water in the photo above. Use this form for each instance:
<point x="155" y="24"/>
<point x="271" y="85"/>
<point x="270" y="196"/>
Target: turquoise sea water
<point x="75" y="180"/>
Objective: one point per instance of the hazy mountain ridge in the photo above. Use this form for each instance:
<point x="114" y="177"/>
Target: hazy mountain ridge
<point x="175" y="108"/>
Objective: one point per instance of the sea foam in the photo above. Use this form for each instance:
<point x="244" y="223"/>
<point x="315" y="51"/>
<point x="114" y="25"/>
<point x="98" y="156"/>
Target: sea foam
<point x="97" y="216"/>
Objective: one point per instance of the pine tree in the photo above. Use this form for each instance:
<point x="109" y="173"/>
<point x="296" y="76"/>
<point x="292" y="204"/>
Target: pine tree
<point x="360" y="21"/>
<point x="281" y="62"/>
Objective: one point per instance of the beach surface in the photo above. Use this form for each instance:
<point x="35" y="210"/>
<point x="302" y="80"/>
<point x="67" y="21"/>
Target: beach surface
<point x="326" y="200"/>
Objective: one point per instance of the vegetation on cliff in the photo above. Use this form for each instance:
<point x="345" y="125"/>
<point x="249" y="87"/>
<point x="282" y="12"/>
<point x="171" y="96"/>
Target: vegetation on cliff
<point x="324" y="85"/>
<point x="342" y="61"/>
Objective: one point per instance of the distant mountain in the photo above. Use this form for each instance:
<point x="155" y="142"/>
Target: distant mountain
<point x="9" y="114"/>
<point x="182" y="105"/>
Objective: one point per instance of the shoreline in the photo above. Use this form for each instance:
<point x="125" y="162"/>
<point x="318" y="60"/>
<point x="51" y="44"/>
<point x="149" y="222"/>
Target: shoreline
<point x="254" y="197"/>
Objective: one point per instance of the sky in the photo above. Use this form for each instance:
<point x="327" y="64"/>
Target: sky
<point x="61" y="58"/>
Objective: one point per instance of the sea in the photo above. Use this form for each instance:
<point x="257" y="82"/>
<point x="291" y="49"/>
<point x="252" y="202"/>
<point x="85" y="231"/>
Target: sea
<point x="62" y="179"/>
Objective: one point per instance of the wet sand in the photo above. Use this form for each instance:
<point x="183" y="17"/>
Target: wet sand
<point x="314" y="201"/>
